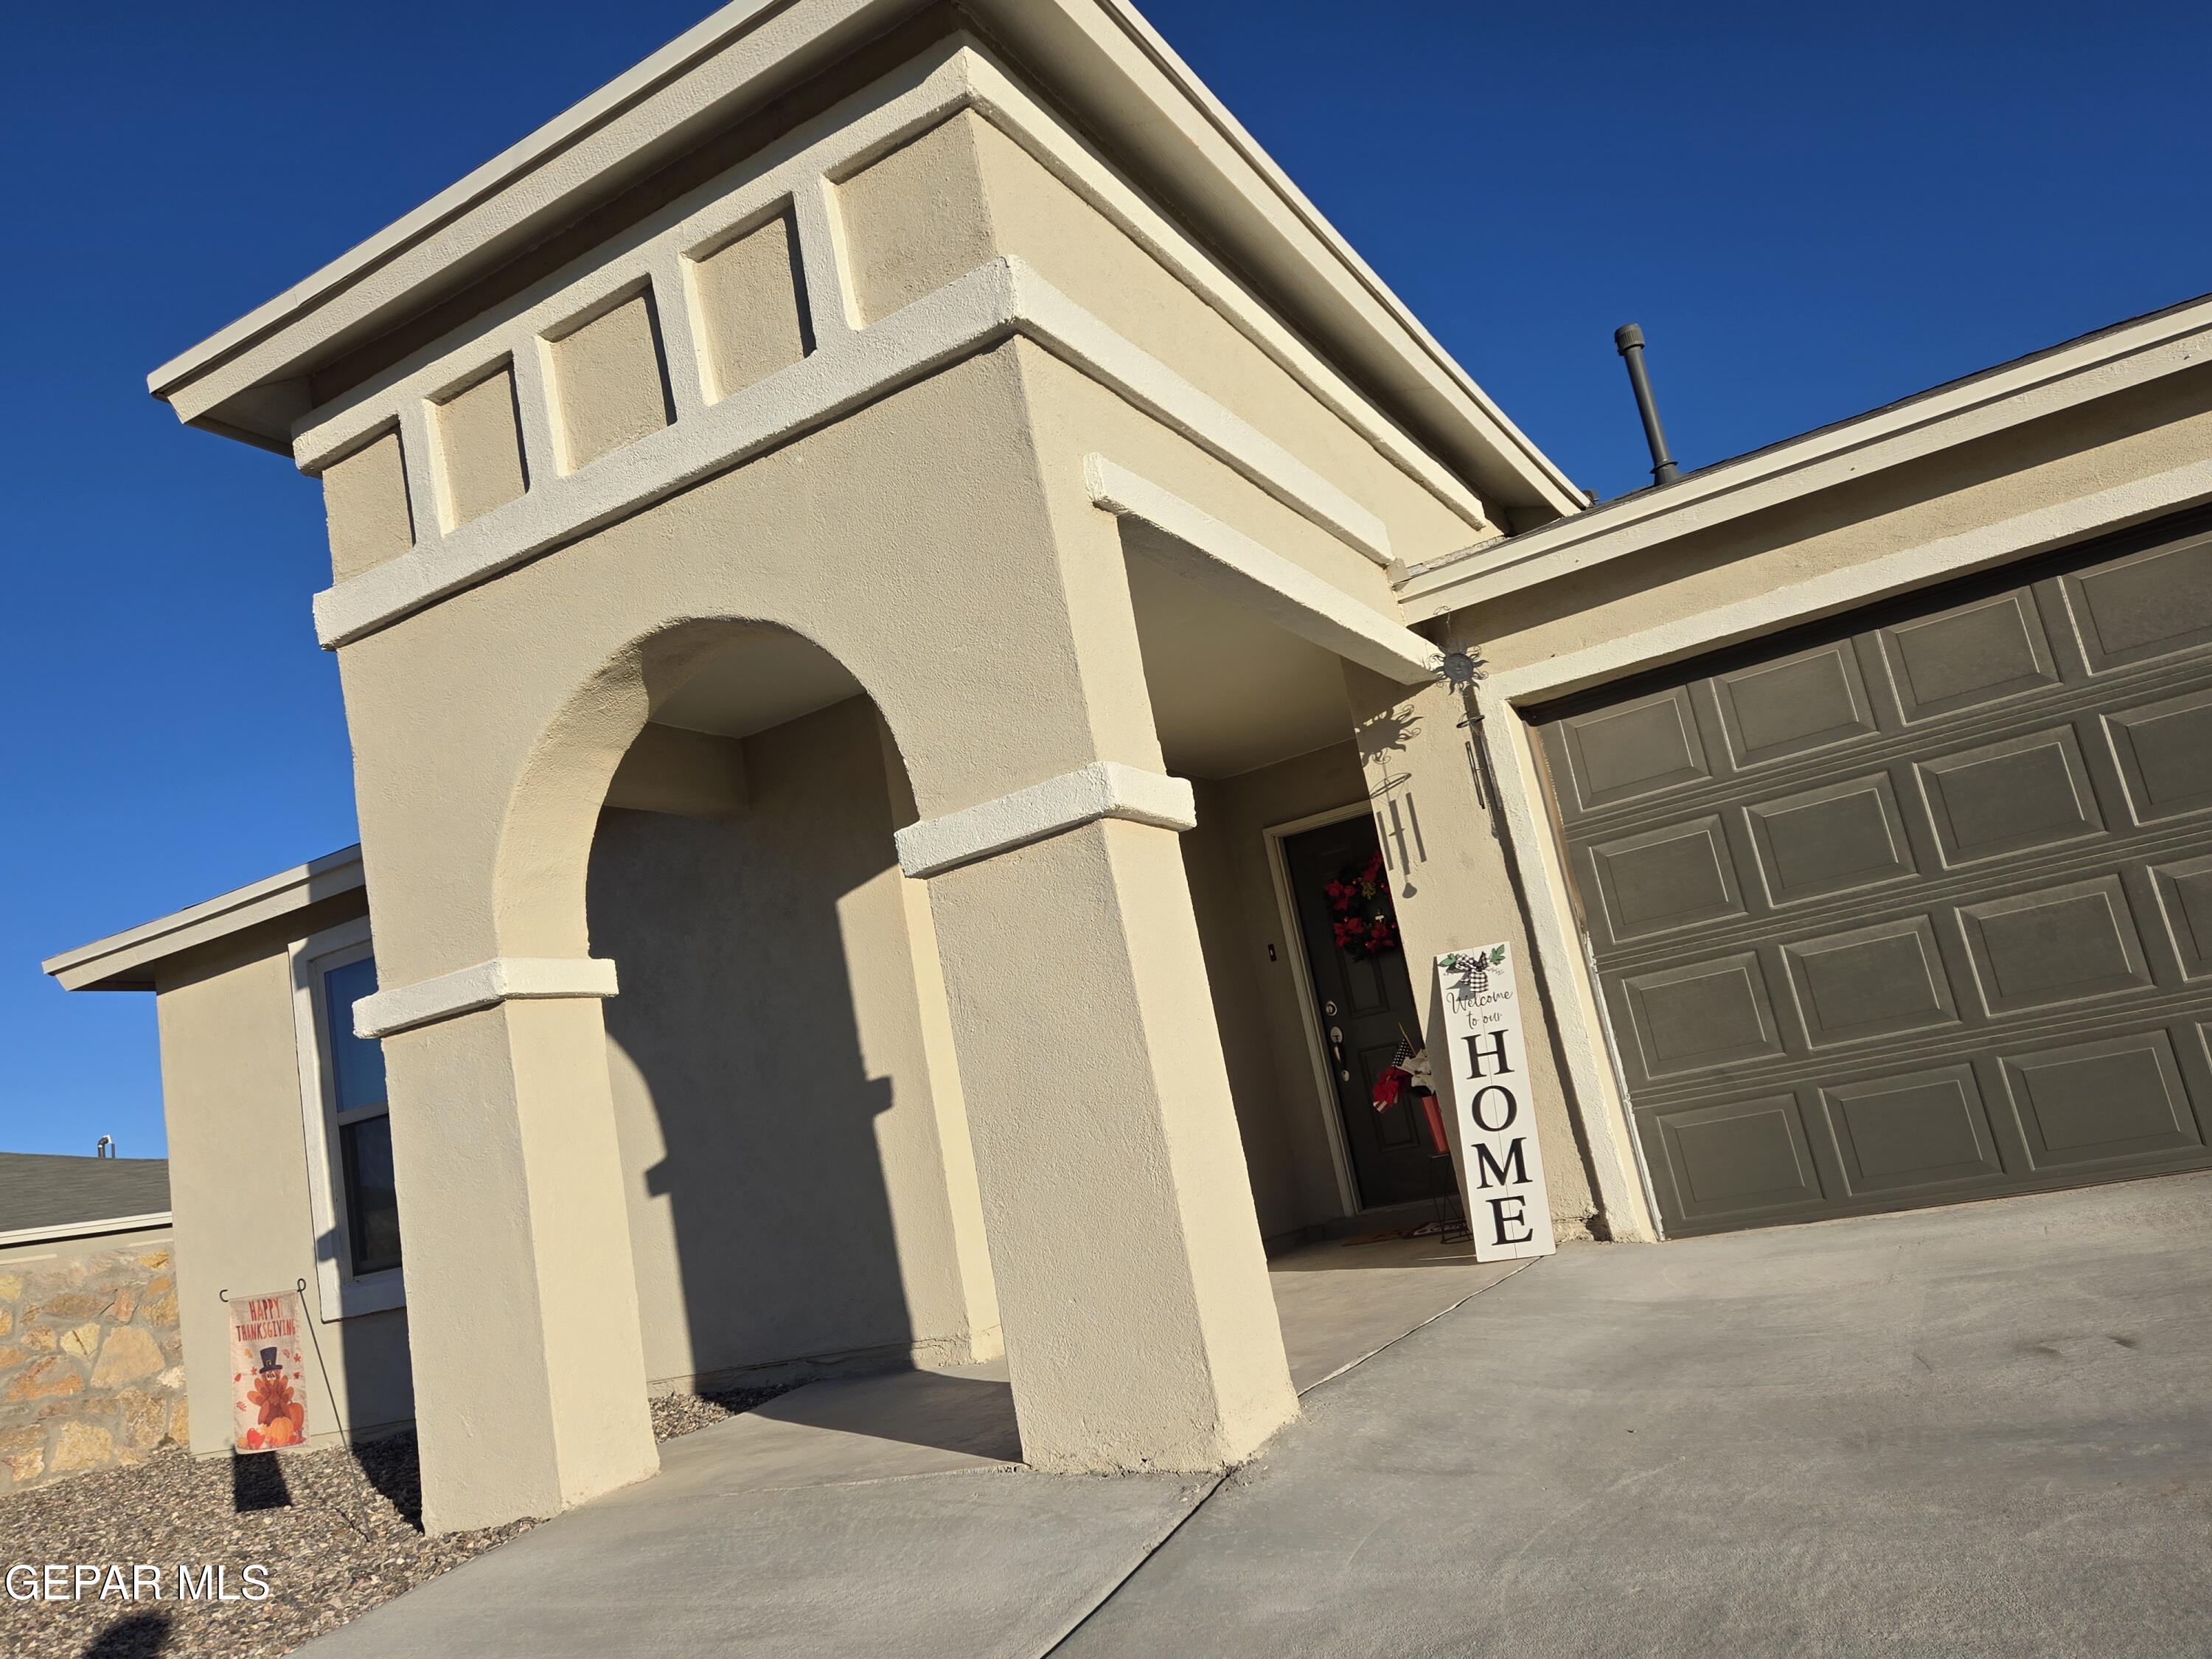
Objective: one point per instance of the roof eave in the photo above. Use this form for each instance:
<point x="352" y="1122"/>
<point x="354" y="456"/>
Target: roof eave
<point x="126" y="961"/>
<point x="247" y="380"/>
<point x="2010" y="394"/>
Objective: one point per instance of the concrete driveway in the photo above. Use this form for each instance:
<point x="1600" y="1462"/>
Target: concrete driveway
<point x="1985" y="1429"/>
<point x="1976" y="1431"/>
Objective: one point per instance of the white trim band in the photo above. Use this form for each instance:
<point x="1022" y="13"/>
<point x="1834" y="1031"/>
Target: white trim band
<point x="1981" y="547"/>
<point x="1104" y="789"/>
<point x="996" y="302"/>
<point x="464" y="991"/>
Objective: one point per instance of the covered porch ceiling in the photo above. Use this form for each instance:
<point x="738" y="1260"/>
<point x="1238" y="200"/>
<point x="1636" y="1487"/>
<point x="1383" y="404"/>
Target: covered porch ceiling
<point x="1231" y="692"/>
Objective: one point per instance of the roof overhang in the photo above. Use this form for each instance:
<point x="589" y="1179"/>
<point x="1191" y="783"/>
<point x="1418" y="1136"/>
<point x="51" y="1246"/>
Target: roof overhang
<point x="99" y="1229"/>
<point x="126" y="961"/>
<point x="1097" y="59"/>
<point x="2064" y="376"/>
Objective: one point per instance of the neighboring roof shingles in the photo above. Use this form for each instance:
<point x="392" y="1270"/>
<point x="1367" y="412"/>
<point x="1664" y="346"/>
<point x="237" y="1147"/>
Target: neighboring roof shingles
<point x="45" y="1189"/>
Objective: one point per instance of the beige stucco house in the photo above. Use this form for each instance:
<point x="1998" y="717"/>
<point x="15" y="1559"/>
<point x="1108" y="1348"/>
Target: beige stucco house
<point x="883" y="563"/>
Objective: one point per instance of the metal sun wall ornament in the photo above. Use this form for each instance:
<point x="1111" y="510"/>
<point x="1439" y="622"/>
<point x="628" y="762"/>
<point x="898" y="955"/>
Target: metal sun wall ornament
<point x="1461" y="668"/>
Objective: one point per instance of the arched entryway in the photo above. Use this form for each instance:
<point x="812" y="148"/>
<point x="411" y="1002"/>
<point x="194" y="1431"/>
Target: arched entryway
<point x="800" y="1192"/>
<point x="1035" y="952"/>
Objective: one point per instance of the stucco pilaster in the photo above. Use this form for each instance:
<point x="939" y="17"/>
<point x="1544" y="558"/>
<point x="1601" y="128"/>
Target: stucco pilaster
<point x="1140" y="1331"/>
<point x="530" y="1388"/>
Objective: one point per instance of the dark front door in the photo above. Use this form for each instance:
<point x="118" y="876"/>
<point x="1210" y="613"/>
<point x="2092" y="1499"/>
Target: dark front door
<point x="1364" y="1004"/>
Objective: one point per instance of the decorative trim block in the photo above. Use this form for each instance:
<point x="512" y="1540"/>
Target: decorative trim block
<point x="502" y="979"/>
<point x="992" y="303"/>
<point x="1104" y="789"/>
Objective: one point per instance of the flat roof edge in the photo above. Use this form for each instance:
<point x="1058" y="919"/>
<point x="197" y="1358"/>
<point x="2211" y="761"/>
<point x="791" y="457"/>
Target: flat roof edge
<point x="748" y="50"/>
<point x="113" y="963"/>
<point x="575" y="122"/>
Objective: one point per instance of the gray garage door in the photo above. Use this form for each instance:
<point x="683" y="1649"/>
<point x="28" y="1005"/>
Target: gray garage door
<point x="1917" y="908"/>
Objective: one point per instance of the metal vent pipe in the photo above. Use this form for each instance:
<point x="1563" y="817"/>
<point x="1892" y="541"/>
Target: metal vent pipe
<point x="1628" y="340"/>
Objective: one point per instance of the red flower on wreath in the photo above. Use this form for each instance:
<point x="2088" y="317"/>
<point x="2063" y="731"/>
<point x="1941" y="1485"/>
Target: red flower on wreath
<point x="1362" y="925"/>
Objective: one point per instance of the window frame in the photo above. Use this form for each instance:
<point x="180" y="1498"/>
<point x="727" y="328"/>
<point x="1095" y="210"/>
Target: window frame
<point x="345" y="1292"/>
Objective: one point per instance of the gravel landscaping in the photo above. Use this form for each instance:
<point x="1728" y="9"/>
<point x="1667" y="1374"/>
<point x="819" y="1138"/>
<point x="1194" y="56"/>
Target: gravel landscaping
<point x="338" y="1532"/>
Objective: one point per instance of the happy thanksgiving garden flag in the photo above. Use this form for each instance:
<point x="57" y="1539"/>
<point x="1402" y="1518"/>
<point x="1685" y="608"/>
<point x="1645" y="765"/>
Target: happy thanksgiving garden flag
<point x="268" y="1382"/>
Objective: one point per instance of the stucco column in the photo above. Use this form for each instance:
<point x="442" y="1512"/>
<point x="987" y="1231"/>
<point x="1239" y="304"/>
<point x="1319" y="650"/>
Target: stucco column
<point x="1453" y="879"/>
<point x="530" y="1389"/>
<point x="1140" y="1329"/>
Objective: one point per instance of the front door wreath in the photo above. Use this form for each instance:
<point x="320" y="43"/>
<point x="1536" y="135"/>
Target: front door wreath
<point x="1360" y="917"/>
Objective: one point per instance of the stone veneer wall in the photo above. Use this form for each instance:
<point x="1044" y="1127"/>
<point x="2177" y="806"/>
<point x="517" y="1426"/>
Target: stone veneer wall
<point x="91" y="1366"/>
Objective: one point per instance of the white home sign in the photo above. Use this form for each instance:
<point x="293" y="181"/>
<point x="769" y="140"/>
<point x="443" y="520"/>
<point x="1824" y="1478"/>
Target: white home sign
<point x="1501" y="1164"/>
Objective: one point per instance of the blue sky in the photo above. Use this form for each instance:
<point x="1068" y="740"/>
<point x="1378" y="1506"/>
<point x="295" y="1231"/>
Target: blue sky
<point x="1812" y="211"/>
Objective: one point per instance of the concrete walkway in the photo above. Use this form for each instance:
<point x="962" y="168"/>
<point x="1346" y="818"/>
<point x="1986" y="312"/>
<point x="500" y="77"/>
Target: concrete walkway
<point x="880" y="1515"/>
<point x="1985" y="1429"/>
<point x="1979" y="1430"/>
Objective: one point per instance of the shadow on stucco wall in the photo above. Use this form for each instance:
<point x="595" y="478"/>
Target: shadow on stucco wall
<point x="750" y="1112"/>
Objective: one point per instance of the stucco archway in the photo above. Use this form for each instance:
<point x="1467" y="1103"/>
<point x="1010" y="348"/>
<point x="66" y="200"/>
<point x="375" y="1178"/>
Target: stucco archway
<point x="1108" y="1178"/>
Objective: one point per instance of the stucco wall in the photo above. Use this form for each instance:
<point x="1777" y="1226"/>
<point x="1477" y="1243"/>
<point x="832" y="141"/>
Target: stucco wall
<point x="966" y="192"/>
<point x="1256" y="1004"/>
<point x="1446" y="846"/>
<point x="238" y="1184"/>
<point x="773" y="1088"/>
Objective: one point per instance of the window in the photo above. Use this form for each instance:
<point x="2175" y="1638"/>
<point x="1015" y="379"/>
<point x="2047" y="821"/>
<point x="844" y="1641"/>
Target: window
<point x="363" y="1121"/>
<point x="348" y="1125"/>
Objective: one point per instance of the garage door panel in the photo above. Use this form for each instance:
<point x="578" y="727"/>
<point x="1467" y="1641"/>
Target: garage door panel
<point x="1911" y="1132"/>
<point x="1699" y="1016"/>
<point x="2149" y="604"/>
<point x="1968" y="656"/>
<point x="1641" y="748"/>
<point x="2061" y="944"/>
<point x="1893" y="899"/>
<point x="2163" y="751"/>
<point x="1841" y="838"/>
<point x="2022" y="794"/>
<point x="1809" y="699"/>
<point x="1670" y="877"/>
<point x="1869" y="982"/>
<point x="2120" y="1098"/>
<point x="2185" y="898"/>
<point x="1747" y="1160"/>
